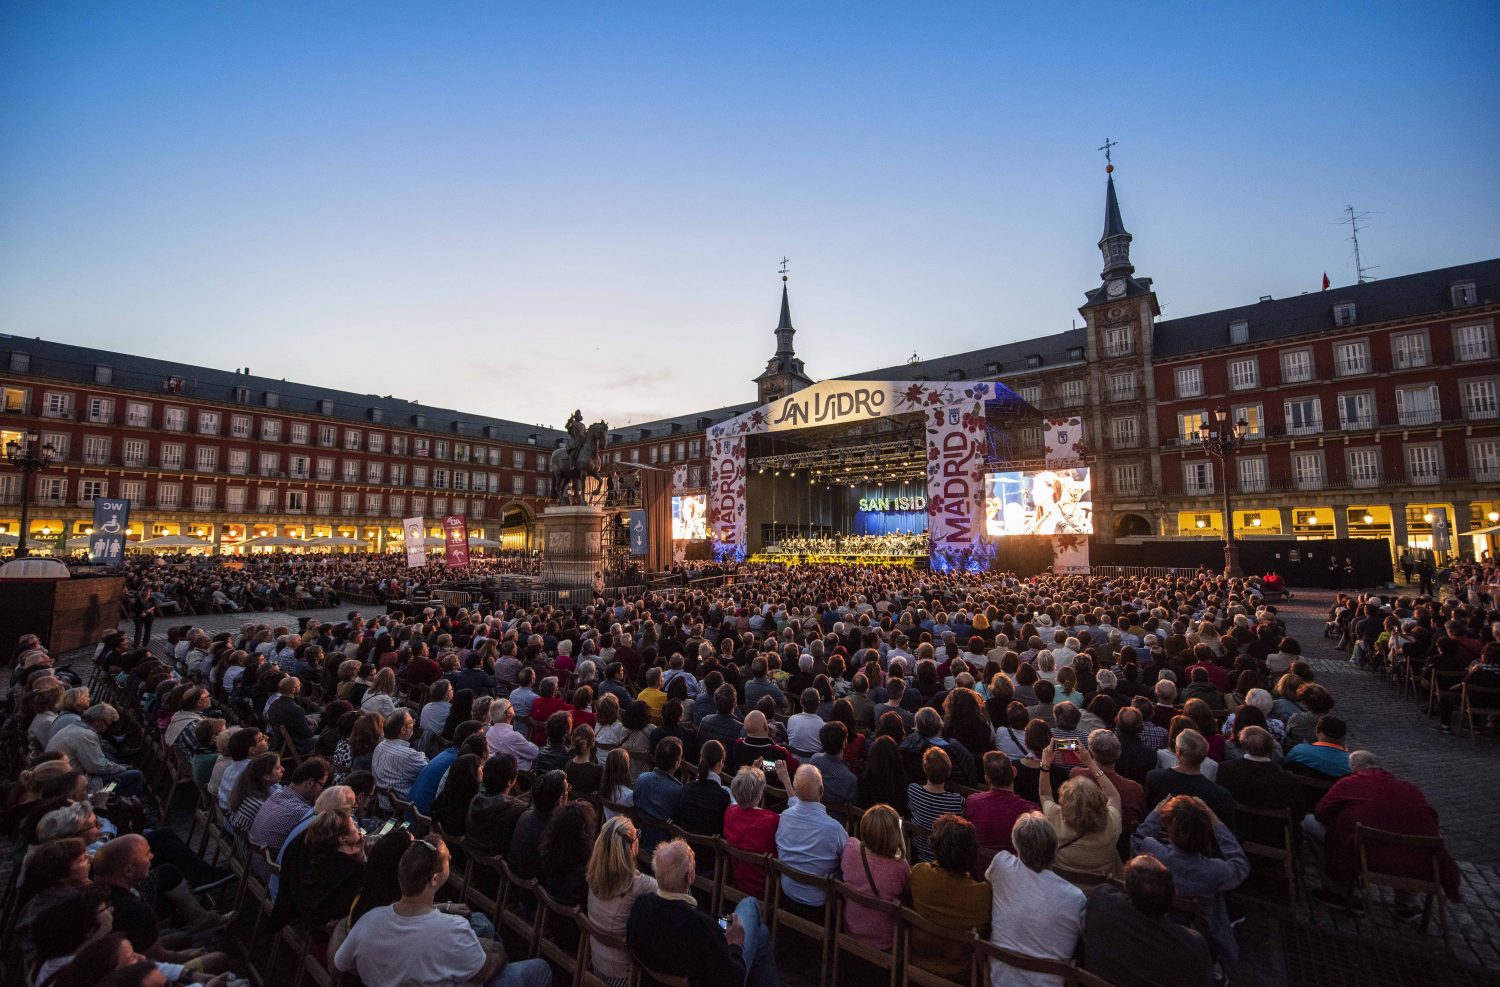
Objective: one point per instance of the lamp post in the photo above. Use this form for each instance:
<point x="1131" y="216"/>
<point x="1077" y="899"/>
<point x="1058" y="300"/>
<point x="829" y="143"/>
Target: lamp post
<point x="1222" y="441"/>
<point x="30" y="458"/>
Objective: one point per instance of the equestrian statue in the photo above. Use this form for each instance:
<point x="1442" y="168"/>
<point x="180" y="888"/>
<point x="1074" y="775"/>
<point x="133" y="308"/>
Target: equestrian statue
<point x="578" y="458"/>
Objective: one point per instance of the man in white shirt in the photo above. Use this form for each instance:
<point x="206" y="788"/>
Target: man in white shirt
<point x="802" y="728"/>
<point x="396" y="763"/>
<point x="416" y="941"/>
<point x="1033" y="912"/>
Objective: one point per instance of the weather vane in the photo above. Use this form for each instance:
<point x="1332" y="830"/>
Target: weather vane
<point x="1108" y="146"/>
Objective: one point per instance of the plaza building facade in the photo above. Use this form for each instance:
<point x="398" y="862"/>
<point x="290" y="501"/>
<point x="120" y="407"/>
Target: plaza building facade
<point x="226" y="456"/>
<point x="1373" y="410"/>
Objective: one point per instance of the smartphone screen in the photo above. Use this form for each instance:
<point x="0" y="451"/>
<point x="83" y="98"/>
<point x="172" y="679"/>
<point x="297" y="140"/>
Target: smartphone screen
<point x="390" y="824"/>
<point x="724" y="922"/>
<point x="109" y="788"/>
<point x="768" y="766"/>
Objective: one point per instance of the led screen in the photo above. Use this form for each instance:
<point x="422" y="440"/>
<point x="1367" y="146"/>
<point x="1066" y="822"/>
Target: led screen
<point x="690" y="517"/>
<point x="1039" y="502"/>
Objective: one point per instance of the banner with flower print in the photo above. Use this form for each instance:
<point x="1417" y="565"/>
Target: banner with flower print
<point x="955" y="479"/>
<point x="1070" y="555"/>
<point x="1062" y="440"/>
<point x="726" y="487"/>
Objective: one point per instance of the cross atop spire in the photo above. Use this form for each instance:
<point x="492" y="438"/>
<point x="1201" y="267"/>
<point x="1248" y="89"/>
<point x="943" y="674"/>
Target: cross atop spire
<point x="1106" y="148"/>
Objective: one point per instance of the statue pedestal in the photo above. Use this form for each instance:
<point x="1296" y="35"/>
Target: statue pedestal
<point x="572" y="547"/>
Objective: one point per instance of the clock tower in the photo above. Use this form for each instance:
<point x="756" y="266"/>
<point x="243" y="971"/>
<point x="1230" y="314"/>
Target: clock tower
<point x="1121" y="425"/>
<point x="783" y="373"/>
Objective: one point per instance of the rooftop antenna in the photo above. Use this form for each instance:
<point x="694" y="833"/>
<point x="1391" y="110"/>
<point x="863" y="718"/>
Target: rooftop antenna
<point x="1354" y="219"/>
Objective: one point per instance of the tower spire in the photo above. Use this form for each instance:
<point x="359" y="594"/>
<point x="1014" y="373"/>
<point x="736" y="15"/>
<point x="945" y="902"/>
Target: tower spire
<point x="1115" y="243"/>
<point x="784" y="372"/>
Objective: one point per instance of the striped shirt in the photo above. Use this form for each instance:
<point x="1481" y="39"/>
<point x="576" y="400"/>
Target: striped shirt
<point x="925" y="808"/>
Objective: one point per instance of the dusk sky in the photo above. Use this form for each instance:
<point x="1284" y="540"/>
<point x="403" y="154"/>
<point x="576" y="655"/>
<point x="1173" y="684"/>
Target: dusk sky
<point x="518" y="210"/>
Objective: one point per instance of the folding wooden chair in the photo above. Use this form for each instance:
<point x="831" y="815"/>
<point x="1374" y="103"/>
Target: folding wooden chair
<point x="819" y="932"/>
<point x="516" y="893"/>
<point x="1430" y="887"/>
<point x="847" y="942"/>
<point x="556" y="935"/>
<point x="1072" y="976"/>
<point x="290" y="756"/>
<point x="914" y="927"/>
<point x="707" y="860"/>
<point x="729" y="893"/>
<point x="590" y="933"/>
<point x="1283" y="852"/>
<point x="1483" y="700"/>
<point x="663" y="979"/>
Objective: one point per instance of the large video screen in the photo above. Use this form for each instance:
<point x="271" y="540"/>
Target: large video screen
<point x="1040" y="502"/>
<point x="690" y="517"/>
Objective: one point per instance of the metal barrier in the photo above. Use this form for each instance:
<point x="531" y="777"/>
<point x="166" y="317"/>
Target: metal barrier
<point x="1141" y="571"/>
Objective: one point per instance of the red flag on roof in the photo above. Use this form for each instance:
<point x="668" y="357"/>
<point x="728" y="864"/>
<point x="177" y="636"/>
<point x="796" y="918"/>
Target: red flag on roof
<point x="1326" y="282"/>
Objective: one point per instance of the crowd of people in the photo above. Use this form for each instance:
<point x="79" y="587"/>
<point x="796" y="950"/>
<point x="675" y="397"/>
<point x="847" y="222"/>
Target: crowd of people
<point x="1060" y="765"/>
<point x="890" y="543"/>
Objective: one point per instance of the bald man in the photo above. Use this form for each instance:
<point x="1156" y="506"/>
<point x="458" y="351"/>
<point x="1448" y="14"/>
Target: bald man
<point x="810" y="840"/>
<point x="757" y="747"/>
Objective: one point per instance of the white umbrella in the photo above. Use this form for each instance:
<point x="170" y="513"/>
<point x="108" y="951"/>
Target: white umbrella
<point x="82" y="541"/>
<point x="8" y="539"/>
<point x="276" y="541"/>
<point x="432" y="542"/>
<point x="336" y="541"/>
<point x="477" y="542"/>
<point x="172" y="541"/>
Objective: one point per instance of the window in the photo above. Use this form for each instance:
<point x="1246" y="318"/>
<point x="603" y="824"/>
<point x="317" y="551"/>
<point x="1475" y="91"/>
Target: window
<point x="372" y="503"/>
<point x="134" y="491"/>
<point x="265" y="500"/>
<point x="51" y="490"/>
<point x="459" y="506"/>
<point x="296" y="501"/>
<point x="138" y="415"/>
<point x="57" y="405"/>
<point x="351" y="471"/>
<point x="374" y="472"/>
<point x="1121" y="387"/>
<point x="1351" y="358"/>
<point x="460" y="480"/>
<point x="655" y="453"/>
<point x="239" y="426"/>
<point x="1189" y="382"/>
<point x="1409" y="350"/>
<point x="1418" y="405"/>
<point x="1304" y="416"/>
<point x="441" y="450"/>
<point x="1072" y="392"/>
<point x="1296" y="365"/>
<point x="327" y="436"/>
<point x="298" y="466"/>
<point x="461" y="452"/>
<point x="440" y="479"/>
<point x="325" y="467"/>
<point x="1424" y="463"/>
<point x="1364" y="467"/>
<point x="134" y="453"/>
<point x="1473" y="342"/>
<point x="440" y="505"/>
<point x="300" y="433"/>
<point x="101" y="410"/>
<point x="234" y="499"/>
<point x="203" y="496"/>
<point x="419" y="446"/>
<point x="239" y="461"/>
<point x="208" y="459"/>
<point x="59" y="443"/>
<point x="13" y="400"/>
<point x="1117" y="341"/>
<point x="208" y="423"/>
<point x="1188" y="424"/>
<point x="1244" y="373"/>
<point x="1198" y="478"/>
<point x="351" y="439"/>
<point x="348" y="502"/>
<point x="1254" y="418"/>
<point x="1480" y="398"/>
<point x="681" y="452"/>
<point x="323" y="502"/>
<point x="1128" y="478"/>
<point x="89" y="490"/>
<point x="1239" y="331"/>
<point x="1356" y="411"/>
<point x="518" y="460"/>
<point x="1343" y="314"/>
<point x="635" y="455"/>
<point x="270" y="463"/>
<point x="1251" y="471"/>
<point x="398" y="505"/>
<point x="1484" y="459"/>
<point x="1033" y="361"/>
<point x="1123" y="434"/>
<point x="419" y="476"/>
<point x="1463" y="294"/>
<point x="171" y="455"/>
<point x="695" y="447"/>
<point x="169" y="496"/>
<point x="377" y="442"/>
<point x="418" y="506"/>
<point x="398" y="445"/>
<point x="1307" y="468"/>
<point x="398" y="474"/>
<point x="518" y="485"/>
<point x="174" y="419"/>
<point x="270" y="429"/>
<point x="96" y="449"/>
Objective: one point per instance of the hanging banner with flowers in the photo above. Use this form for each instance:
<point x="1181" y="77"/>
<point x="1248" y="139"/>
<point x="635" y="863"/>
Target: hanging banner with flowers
<point x="455" y="540"/>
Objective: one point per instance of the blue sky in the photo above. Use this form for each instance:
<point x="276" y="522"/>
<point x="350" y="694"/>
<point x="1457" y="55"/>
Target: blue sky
<point x="463" y="203"/>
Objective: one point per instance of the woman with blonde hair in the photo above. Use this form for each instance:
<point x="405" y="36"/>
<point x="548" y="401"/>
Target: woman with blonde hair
<point x="381" y="697"/>
<point x="1086" y="816"/>
<point x="348" y="679"/>
<point x="614" y="884"/>
<point x="875" y="864"/>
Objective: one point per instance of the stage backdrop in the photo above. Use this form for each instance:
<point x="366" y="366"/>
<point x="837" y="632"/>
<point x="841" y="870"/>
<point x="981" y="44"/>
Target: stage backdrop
<point x="954" y="415"/>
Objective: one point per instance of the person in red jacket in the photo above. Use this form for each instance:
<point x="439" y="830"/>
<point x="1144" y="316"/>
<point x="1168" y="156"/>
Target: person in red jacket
<point x="1375" y="797"/>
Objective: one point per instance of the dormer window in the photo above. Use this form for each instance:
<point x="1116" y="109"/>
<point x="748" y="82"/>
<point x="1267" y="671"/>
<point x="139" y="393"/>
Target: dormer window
<point x="325" y="407"/>
<point x="955" y="374"/>
<point x="1343" y="314"/>
<point x="993" y="367"/>
<point x="1464" y="294"/>
<point x="103" y="374"/>
<point x="273" y="399"/>
<point x="1239" y="331"/>
<point x="1033" y="361"/>
<point x="1076" y="353"/>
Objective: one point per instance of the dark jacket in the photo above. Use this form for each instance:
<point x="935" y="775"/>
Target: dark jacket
<point x="696" y="947"/>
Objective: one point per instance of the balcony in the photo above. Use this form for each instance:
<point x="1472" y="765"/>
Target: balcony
<point x="1125" y="442"/>
<point x="1118" y="395"/>
<point x="1422" y="416"/>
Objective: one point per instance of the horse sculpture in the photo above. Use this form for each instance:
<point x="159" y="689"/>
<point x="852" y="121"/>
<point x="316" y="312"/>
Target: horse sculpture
<point x="569" y="468"/>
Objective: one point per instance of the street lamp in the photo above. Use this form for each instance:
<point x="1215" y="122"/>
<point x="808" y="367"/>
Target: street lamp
<point x="30" y="458"/>
<point x="1222" y="441"/>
